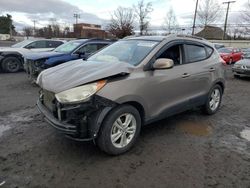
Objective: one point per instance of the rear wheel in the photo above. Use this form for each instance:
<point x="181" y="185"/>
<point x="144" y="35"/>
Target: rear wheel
<point x="213" y="100"/>
<point x="120" y="130"/>
<point x="11" y="64"/>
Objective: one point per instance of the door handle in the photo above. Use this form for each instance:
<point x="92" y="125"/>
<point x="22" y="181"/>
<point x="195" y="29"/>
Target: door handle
<point x="185" y="75"/>
<point x="211" y="69"/>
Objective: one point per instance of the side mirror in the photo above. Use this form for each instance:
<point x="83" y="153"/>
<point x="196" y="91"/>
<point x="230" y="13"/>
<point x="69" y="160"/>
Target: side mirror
<point x="163" y="63"/>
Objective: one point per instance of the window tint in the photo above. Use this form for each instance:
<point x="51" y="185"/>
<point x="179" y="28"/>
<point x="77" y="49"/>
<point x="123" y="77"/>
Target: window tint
<point x="172" y="53"/>
<point x="100" y="46"/>
<point x="195" y="53"/>
<point x="88" y="49"/>
<point x="53" y="44"/>
<point x="37" y="44"/>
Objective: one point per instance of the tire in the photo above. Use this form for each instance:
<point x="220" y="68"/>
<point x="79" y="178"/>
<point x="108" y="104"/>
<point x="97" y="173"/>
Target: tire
<point x="11" y="64"/>
<point x="109" y="127"/>
<point x="208" y="108"/>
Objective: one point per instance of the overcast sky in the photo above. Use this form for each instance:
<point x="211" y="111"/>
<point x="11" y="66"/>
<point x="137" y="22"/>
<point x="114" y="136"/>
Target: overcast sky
<point x="99" y="11"/>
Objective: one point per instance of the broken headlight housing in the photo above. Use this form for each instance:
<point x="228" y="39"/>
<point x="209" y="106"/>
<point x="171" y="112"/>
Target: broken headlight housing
<point x="39" y="63"/>
<point x="79" y="94"/>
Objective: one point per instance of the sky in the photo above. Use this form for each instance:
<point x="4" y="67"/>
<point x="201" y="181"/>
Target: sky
<point x="99" y="11"/>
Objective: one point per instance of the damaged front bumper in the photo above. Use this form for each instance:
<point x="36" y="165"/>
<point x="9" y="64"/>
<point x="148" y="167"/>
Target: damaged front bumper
<point x="32" y="70"/>
<point x="79" y="121"/>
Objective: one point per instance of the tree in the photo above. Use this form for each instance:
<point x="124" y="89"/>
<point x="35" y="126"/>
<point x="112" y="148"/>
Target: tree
<point x="6" y="26"/>
<point x="28" y="31"/>
<point x="246" y="12"/>
<point x="170" y="22"/>
<point x="121" y="24"/>
<point x="142" y="11"/>
<point x="208" y="12"/>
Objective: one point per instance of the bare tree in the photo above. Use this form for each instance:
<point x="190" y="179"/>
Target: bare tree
<point x="246" y="12"/>
<point x="208" y="12"/>
<point x="170" y="22"/>
<point x="28" y="31"/>
<point x="121" y="24"/>
<point x="142" y="11"/>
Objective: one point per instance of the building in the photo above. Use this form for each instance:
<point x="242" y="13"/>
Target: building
<point x="84" y="30"/>
<point x="212" y="33"/>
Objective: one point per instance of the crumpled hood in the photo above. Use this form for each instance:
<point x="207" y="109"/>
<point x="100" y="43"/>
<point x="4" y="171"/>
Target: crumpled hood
<point x="42" y="55"/>
<point x="243" y="62"/>
<point x="79" y="72"/>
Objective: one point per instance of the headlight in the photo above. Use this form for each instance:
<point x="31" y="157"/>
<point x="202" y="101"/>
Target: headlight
<point x="39" y="63"/>
<point x="79" y="94"/>
<point x="237" y="66"/>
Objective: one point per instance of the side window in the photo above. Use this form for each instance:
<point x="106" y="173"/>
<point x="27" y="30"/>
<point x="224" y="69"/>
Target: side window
<point x="88" y="49"/>
<point x="195" y="53"/>
<point x="100" y="46"/>
<point x="53" y="44"/>
<point x="174" y="53"/>
<point x="36" y="44"/>
<point x="209" y="51"/>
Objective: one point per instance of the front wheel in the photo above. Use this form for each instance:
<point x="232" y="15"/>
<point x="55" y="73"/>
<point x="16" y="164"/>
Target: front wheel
<point x="213" y="100"/>
<point x="11" y="64"/>
<point x="119" y="130"/>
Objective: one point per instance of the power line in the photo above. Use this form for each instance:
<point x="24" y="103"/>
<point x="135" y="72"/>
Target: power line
<point x="225" y="26"/>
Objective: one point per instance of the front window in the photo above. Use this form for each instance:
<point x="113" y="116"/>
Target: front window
<point x="68" y="47"/>
<point x="128" y="51"/>
<point x="21" y="44"/>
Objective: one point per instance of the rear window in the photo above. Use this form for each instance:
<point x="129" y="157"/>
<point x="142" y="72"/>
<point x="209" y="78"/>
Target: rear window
<point x="195" y="53"/>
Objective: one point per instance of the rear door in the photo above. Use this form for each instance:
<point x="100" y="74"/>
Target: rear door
<point x="200" y="66"/>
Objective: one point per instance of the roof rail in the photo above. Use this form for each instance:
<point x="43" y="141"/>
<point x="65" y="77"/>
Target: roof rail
<point x="190" y="36"/>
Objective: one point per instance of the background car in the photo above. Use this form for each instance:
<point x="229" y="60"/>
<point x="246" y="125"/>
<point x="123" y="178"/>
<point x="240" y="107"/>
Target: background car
<point x="218" y="46"/>
<point x="242" y="67"/>
<point x="246" y="52"/>
<point x="11" y="58"/>
<point x="76" y="49"/>
<point x="230" y="55"/>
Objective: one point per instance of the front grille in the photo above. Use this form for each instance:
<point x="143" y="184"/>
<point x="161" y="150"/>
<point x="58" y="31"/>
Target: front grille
<point x="49" y="100"/>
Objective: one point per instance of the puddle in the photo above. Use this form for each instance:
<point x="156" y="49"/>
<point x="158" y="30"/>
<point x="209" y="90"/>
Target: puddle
<point x="245" y="134"/>
<point x="195" y="128"/>
<point x="3" y="128"/>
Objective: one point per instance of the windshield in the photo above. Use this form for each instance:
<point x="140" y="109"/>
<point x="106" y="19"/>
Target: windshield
<point x="68" y="47"/>
<point x="130" y="51"/>
<point x="224" y="50"/>
<point x="22" y="44"/>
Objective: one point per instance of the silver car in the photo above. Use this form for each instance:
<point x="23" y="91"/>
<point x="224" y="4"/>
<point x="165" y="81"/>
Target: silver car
<point x="242" y="68"/>
<point x="131" y="83"/>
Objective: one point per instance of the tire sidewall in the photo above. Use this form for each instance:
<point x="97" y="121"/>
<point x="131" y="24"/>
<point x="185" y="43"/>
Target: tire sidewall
<point x="207" y="106"/>
<point x="5" y="64"/>
<point x="104" y="138"/>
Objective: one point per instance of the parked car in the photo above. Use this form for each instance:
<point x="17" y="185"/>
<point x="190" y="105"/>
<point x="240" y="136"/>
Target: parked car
<point x="246" y="52"/>
<point x="230" y="55"/>
<point x="11" y="58"/>
<point x="218" y="45"/>
<point x="242" y="68"/>
<point x="130" y="83"/>
<point x="76" y="49"/>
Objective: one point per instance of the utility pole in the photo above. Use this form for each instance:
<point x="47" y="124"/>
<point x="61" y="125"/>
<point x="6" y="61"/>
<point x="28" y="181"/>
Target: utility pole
<point x="34" y="27"/>
<point x="225" y="25"/>
<point x="195" y="13"/>
<point x="76" y="16"/>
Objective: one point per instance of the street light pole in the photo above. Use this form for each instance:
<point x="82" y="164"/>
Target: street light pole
<point x="225" y="25"/>
<point x="195" y="13"/>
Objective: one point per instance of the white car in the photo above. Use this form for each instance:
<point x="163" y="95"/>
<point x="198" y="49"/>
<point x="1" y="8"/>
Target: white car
<point x="11" y="58"/>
